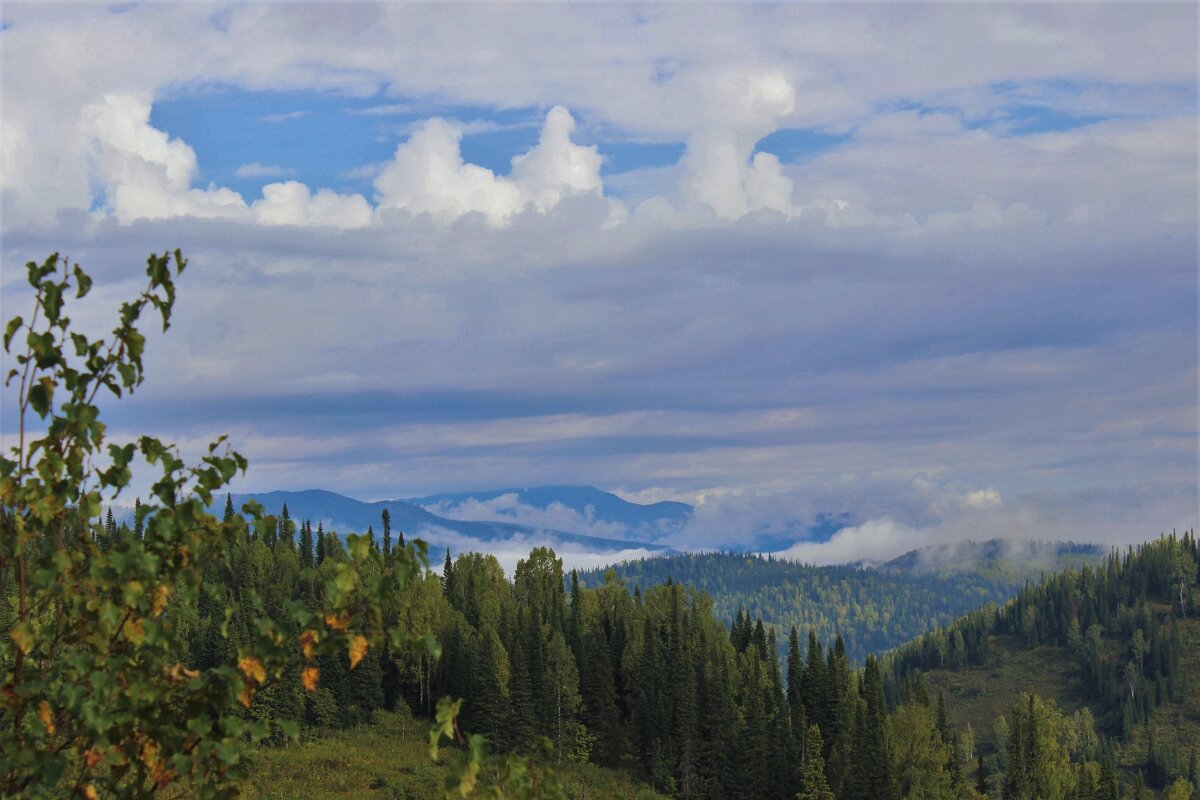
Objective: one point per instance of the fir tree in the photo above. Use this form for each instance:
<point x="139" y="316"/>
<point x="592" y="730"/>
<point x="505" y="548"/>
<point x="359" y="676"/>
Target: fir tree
<point x="386" y="519"/>
<point x="448" y="576"/>
<point x="815" y="786"/>
<point x="873" y="757"/>
<point x="1016" y="777"/>
<point x="285" y="528"/>
<point x="110" y="530"/>
<point x="306" y="545"/>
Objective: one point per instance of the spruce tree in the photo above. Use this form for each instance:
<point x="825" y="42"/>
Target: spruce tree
<point x="386" y="519"/>
<point x="817" y="704"/>
<point x="110" y="530"/>
<point x="522" y="724"/>
<point x="873" y="753"/>
<point x="306" y="545"/>
<point x="815" y="786"/>
<point x="321" y="546"/>
<point x="754" y="753"/>
<point x="139" y="528"/>
<point x="795" y="702"/>
<point x="229" y="512"/>
<point x="760" y="639"/>
<point x="285" y="528"/>
<point x="1016" y="778"/>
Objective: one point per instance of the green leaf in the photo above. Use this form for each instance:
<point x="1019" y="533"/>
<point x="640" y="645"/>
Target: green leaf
<point x="41" y="396"/>
<point x="11" y="329"/>
<point x="52" y="300"/>
<point x="45" y="350"/>
<point x="83" y="281"/>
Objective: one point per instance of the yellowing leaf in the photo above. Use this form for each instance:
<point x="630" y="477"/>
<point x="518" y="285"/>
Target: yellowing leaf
<point x="247" y="695"/>
<point x="358" y="650"/>
<point x="89" y="792"/>
<point x="92" y="757"/>
<point x="338" y="623"/>
<point x="253" y="668"/>
<point x="179" y="673"/>
<point x="159" y="603"/>
<point x="22" y="636"/>
<point x="134" y="631"/>
<point x="161" y="775"/>
<point x="308" y="643"/>
<point x="309" y="678"/>
<point x="46" y="716"/>
<point x="149" y="754"/>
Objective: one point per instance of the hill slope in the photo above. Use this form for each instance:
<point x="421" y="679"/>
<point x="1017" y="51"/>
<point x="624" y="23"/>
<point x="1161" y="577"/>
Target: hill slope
<point x="873" y="609"/>
<point x="1121" y="642"/>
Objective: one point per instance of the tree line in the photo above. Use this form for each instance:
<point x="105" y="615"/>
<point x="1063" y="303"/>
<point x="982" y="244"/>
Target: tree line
<point x="873" y="609"/>
<point x="651" y="679"/>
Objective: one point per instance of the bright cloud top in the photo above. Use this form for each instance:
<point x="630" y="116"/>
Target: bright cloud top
<point x="144" y="174"/>
<point x="428" y="175"/>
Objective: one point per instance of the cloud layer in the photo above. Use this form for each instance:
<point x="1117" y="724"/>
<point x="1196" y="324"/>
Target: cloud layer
<point x="934" y="268"/>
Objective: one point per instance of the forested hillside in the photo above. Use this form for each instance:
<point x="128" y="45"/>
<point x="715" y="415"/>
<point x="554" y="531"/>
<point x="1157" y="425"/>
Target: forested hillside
<point x="873" y="609"/>
<point x="1082" y="686"/>
<point x="1118" y="645"/>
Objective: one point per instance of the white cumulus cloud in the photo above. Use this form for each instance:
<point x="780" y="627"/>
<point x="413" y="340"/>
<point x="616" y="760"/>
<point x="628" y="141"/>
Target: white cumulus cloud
<point x="145" y="173"/>
<point x="739" y="108"/>
<point x="292" y="203"/>
<point x="428" y="174"/>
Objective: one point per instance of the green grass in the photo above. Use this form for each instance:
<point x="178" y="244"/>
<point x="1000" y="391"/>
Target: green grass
<point x="980" y="694"/>
<point x="389" y="759"/>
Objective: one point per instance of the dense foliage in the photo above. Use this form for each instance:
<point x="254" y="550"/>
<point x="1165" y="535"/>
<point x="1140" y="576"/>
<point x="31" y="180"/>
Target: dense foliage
<point x="872" y="609"/>
<point x="1122" y="625"/>
<point x="136" y="661"/>
<point x="651" y="679"/>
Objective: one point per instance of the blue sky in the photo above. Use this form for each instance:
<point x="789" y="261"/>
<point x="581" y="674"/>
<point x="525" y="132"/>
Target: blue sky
<point x="933" y="267"/>
<point x="334" y="140"/>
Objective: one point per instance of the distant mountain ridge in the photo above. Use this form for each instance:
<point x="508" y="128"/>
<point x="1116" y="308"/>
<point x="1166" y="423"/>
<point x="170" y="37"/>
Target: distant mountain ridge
<point x="347" y="515"/>
<point x="592" y="504"/>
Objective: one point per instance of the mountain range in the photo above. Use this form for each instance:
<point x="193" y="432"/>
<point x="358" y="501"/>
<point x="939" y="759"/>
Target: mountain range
<point x="597" y="520"/>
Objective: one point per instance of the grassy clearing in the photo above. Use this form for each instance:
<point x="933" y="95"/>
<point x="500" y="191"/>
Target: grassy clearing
<point x="389" y="760"/>
<point x="980" y="694"/>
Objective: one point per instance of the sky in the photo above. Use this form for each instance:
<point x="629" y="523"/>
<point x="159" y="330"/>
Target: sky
<point x="930" y="266"/>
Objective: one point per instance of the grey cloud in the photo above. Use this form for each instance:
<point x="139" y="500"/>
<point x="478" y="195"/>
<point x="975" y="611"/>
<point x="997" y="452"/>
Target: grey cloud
<point x="985" y="313"/>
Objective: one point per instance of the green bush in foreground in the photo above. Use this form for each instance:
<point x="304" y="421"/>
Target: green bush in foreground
<point x="97" y="697"/>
